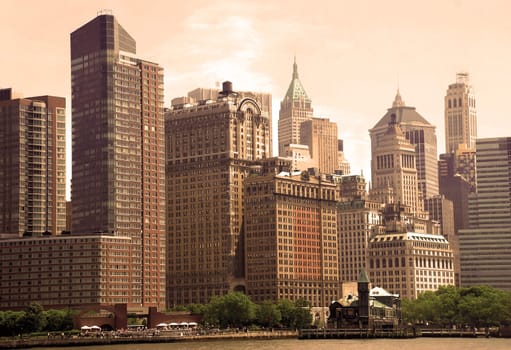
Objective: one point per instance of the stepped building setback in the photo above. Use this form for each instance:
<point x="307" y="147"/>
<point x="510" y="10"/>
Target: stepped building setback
<point x="421" y="134"/>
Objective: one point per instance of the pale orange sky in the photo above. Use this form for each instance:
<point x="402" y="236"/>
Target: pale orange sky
<point x="350" y="54"/>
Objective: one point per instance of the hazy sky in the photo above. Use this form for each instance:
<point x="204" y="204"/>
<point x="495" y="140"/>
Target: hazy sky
<point x="351" y="55"/>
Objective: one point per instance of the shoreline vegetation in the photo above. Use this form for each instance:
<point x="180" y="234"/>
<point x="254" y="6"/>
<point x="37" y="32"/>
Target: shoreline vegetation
<point x="155" y="336"/>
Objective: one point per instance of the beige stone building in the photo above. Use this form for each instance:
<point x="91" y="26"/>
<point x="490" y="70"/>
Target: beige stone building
<point x="421" y="134"/>
<point x="210" y="149"/>
<point x="295" y="108"/>
<point x="393" y="165"/>
<point x="410" y="263"/>
<point x="32" y="165"/>
<point x="460" y="115"/>
<point x="320" y="135"/>
<point x="263" y="99"/>
<point x="357" y="220"/>
<point x="300" y="157"/>
<point x="291" y="238"/>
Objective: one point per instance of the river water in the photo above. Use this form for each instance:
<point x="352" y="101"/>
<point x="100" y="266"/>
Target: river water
<point x="330" y="344"/>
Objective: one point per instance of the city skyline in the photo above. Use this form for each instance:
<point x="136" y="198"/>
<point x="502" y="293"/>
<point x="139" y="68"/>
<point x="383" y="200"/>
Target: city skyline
<point x="348" y="54"/>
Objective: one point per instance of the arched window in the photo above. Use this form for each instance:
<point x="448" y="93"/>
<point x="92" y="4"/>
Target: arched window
<point x="454" y="103"/>
<point x="459" y="102"/>
<point x="449" y="103"/>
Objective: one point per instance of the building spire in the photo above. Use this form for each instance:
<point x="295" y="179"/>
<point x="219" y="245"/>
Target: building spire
<point x="296" y="90"/>
<point x="295" y="69"/>
<point x="398" y="101"/>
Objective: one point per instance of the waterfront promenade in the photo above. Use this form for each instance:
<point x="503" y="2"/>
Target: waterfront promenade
<point x="153" y="336"/>
<point x="111" y="338"/>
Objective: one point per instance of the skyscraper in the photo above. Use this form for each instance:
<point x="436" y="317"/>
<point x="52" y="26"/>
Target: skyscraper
<point x="264" y="99"/>
<point x="291" y="238"/>
<point x="320" y="135"/>
<point x="421" y="134"/>
<point x="295" y="108"/>
<point x="32" y="165"/>
<point x="460" y="115"/>
<point x="118" y="185"/>
<point x="210" y="149"/>
<point x="485" y="245"/>
<point x="393" y="166"/>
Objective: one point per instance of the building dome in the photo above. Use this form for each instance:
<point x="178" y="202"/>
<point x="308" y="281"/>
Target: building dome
<point x="403" y="113"/>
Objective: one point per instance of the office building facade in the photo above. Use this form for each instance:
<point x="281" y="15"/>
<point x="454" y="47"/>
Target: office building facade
<point x="357" y="220"/>
<point x="69" y="272"/>
<point x="420" y="133"/>
<point x="118" y="185"/>
<point x="460" y="115"/>
<point x="32" y="165"/>
<point x="393" y="165"/>
<point x="291" y="238"/>
<point x="210" y="149"/>
<point x="410" y="263"/>
<point x="485" y="245"/>
<point x="320" y="135"/>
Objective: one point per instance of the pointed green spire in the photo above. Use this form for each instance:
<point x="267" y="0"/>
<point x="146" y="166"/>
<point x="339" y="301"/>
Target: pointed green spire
<point x="295" y="70"/>
<point x="362" y="278"/>
<point x="296" y="90"/>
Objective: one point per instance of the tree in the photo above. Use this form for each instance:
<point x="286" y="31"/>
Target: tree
<point x="302" y="317"/>
<point x="231" y="310"/>
<point x="34" y="319"/>
<point x="197" y="309"/>
<point x="10" y="322"/>
<point x="286" y="308"/>
<point x="476" y="306"/>
<point x="58" y="320"/>
<point x="295" y="315"/>
<point x="481" y="306"/>
<point x="268" y="314"/>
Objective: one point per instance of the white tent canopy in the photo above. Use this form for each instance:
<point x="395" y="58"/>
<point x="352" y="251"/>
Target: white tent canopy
<point x="85" y="328"/>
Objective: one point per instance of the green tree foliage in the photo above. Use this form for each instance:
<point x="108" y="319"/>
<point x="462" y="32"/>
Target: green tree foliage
<point x="196" y="309"/>
<point x="268" y="314"/>
<point x="478" y="306"/>
<point x="58" y="320"/>
<point x="231" y="310"/>
<point x="34" y="319"/>
<point x="286" y="308"/>
<point x="303" y="317"/>
<point x="10" y="322"/>
<point x="295" y="315"/>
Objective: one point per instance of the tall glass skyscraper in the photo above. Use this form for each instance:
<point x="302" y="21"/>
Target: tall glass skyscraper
<point x="485" y="245"/>
<point x="118" y="184"/>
